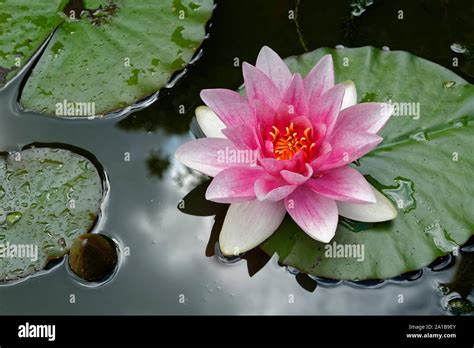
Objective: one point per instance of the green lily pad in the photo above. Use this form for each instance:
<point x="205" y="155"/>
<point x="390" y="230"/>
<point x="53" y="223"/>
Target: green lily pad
<point x="24" y="26"/>
<point x="105" y="55"/>
<point x="424" y="165"/>
<point x="48" y="197"/>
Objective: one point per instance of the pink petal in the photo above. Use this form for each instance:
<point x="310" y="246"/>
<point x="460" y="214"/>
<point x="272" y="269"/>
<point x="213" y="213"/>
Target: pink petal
<point x="259" y="136"/>
<point x="319" y="132"/>
<point x="322" y="154"/>
<point x="259" y="86"/>
<point x="264" y="114"/>
<point x="343" y="184"/>
<point x="349" y="146"/>
<point x="316" y="215"/>
<point x="365" y="117"/>
<point x="235" y="184"/>
<point x="326" y="108"/>
<point x="274" y="67"/>
<point x="242" y="136"/>
<point x="295" y="97"/>
<point x="206" y="155"/>
<point x="287" y="113"/>
<point x="274" y="166"/>
<point x="248" y="224"/>
<point x="293" y="178"/>
<point x="284" y="113"/>
<point x="320" y="79"/>
<point x="268" y="147"/>
<point x="272" y="189"/>
<point x="230" y="106"/>
<point x="301" y="123"/>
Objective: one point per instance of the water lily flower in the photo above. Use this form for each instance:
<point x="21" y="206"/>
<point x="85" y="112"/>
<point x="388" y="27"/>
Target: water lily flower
<point x="286" y="148"/>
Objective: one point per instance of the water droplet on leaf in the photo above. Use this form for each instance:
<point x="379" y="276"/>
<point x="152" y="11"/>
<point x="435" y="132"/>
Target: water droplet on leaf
<point x="449" y="84"/>
<point x="14" y="217"/>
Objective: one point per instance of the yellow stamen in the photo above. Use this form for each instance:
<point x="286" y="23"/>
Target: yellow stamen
<point x="286" y="146"/>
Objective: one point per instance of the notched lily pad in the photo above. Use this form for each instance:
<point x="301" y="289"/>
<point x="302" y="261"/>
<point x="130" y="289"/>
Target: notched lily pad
<point x="104" y="54"/>
<point x="48" y="197"/>
<point x="424" y="165"/>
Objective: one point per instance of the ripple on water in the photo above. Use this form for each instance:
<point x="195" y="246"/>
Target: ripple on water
<point x="442" y="263"/>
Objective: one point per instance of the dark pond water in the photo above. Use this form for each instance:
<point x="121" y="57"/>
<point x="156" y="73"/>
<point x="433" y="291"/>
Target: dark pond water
<point x="168" y="248"/>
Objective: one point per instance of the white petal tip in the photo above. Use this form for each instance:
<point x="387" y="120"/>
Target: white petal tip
<point x="325" y="239"/>
<point x="229" y="251"/>
<point x="202" y="108"/>
<point x="326" y="59"/>
<point x="230" y="247"/>
<point x="324" y="236"/>
<point x="381" y="210"/>
<point x="177" y="155"/>
<point x="249" y="224"/>
<point x="225" y="250"/>
<point x="180" y="154"/>
<point x="350" y="96"/>
<point x="266" y="49"/>
<point x="210" y="124"/>
<point x="348" y="84"/>
<point x="387" y="109"/>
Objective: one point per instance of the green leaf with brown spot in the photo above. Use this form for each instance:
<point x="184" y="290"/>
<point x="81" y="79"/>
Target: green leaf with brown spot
<point x="48" y="197"/>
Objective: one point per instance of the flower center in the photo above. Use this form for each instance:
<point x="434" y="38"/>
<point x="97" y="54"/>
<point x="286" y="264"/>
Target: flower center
<point x="286" y="145"/>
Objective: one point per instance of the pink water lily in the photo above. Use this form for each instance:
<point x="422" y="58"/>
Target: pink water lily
<point x="286" y="147"/>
